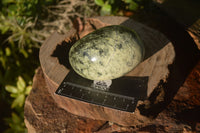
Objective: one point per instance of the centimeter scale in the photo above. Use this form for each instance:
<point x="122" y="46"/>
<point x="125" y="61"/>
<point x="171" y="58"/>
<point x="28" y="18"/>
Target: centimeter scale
<point x="123" y="93"/>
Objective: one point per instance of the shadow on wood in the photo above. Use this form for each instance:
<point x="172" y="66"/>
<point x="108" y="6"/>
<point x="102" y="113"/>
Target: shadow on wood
<point x="187" y="56"/>
<point x="150" y="48"/>
<point x="163" y="65"/>
<point x="62" y="52"/>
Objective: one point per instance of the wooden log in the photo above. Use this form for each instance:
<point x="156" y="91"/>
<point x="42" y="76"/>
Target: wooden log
<point x="160" y="54"/>
<point x="42" y="113"/>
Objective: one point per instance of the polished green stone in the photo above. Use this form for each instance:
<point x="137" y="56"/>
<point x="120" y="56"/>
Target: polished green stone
<point x="107" y="53"/>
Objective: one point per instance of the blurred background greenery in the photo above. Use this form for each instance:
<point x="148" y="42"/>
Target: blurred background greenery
<point x="24" y="25"/>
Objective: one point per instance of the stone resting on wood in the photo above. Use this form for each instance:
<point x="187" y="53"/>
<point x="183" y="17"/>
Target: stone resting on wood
<point x="162" y="65"/>
<point x="159" y="54"/>
<point x="42" y="114"/>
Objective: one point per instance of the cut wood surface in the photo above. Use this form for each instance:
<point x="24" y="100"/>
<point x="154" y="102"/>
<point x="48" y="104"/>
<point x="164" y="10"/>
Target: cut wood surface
<point x="161" y="66"/>
<point x="159" y="54"/>
<point x="43" y="115"/>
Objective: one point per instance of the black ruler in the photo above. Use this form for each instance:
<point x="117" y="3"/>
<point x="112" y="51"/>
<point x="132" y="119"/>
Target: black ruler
<point x="123" y="94"/>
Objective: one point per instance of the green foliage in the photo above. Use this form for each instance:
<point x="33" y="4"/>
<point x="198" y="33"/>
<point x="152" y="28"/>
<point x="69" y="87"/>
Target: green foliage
<point x="18" y="92"/>
<point x="113" y="7"/>
<point x="23" y="9"/>
<point x="19" y="54"/>
<point x="105" y="6"/>
<point x="16" y="124"/>
<point x="16" y="19"/>
<point x="131" y="5"/>
<point x="17" y="33"/>
<point x="16" y="63"/>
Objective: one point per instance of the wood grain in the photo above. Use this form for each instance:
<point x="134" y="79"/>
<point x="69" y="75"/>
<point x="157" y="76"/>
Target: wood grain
<point x="159" y="55"/>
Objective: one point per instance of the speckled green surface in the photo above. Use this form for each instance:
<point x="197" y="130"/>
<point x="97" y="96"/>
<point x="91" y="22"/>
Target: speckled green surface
<point x="106" y="53"/>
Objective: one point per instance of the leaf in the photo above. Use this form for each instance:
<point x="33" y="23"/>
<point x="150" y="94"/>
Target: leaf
<point x="8" y="52"/>
<point x="21" y="84"/>
<point x="111" y="1"/>
<point x="19" y="101"/>
<point x="15" y="118"/>
<point x="11" y="89"/>
<point x="13" y="8"/>
<point x="133" y="6"/>
<point x="3" y="61"/>
<point x="18" y="63"/>
<point x="24" y="53"/>
<point x="28" y="90"/>
<point x="14" y="95"/>
<point x="99" y="2"/>
<point x="128" y="1"/>
<point x="106" y="10"/>
<point x="7" y="1"/>
<point x="4" y="29"/>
